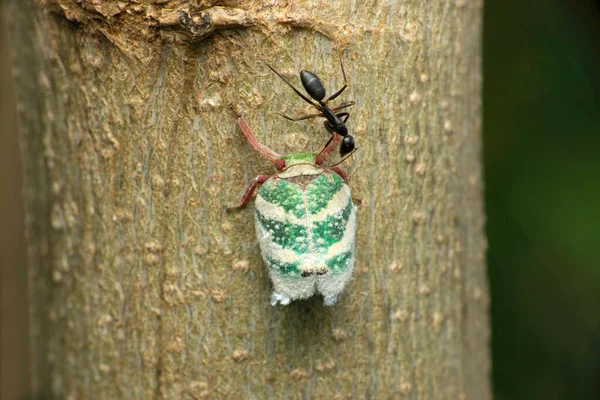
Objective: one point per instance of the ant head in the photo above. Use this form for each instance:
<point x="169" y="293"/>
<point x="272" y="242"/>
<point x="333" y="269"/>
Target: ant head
<point x="347" y="145"/>
<point x="313" y="85"/>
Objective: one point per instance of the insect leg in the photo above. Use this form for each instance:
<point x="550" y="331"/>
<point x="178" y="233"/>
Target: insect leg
<point x="306" y="99"/>
<point x="336" y="94"/>
<point x="330" y="146"/>
<point x="344" y="114"/>
<point x="344" y="105"/>
<point x="259" y="180"/>
<point x="341" y="173"/>
<point x="345" y="158"/>
<point x="300" y="118"/>
<point x="261" y="148"/>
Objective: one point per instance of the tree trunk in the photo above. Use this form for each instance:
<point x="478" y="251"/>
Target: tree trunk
<point x="142" y="286"/>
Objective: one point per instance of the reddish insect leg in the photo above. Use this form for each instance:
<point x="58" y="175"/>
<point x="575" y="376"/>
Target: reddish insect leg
<point x="328" y="148"/>
<point x="341" y="173"/>
<point x="261" y="148"/>
<point x="259" y="180"/>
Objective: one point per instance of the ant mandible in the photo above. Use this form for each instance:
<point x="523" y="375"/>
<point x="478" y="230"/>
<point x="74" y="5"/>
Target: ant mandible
<point x="336" y="122"/>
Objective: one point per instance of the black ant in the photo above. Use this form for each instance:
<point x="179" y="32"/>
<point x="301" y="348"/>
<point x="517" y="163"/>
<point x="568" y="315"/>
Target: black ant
<point x="336" y="122"/>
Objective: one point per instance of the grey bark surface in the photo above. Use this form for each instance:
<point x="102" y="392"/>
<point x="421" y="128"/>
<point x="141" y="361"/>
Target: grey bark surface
<point x="142" y="286"/>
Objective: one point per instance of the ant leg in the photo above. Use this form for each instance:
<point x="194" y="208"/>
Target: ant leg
<point x="330" y="146"/>
<point x="330" y="130"/>
<point x="345" y="115"/>
<point x="306" y="99"/>
<point x="344" y="159"/>
<point x="336" y="94"/>
<point x="261" y="148"/>
<point x="343" y="72"/>
<point x="259" y="180"/>
<point x="344" y="105"/>
<point x="300" y="118"/>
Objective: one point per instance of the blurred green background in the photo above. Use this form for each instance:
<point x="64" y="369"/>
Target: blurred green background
<point x="542" y="162"/>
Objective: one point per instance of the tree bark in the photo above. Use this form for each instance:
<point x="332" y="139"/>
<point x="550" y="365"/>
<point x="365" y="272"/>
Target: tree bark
<point x="142" y="286"/>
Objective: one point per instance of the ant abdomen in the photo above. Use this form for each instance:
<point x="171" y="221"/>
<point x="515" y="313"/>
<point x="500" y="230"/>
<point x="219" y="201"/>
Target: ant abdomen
<point x="313" y="85"/>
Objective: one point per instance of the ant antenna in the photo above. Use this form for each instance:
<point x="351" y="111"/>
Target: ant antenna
<point x="344" y="159"/>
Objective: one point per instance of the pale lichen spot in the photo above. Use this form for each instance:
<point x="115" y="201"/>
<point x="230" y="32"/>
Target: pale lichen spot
<point x="395" y="266"/>
<point x="56" y="276"/>
<point x="104" y="319"/>
<point x="412" y="139"/>
<point x="218" y="295"/>
<point x="447" y="126"/>
<point x="176" y="345"/>
<point x="411" y="31"/>
<point x="151" y="259"/>
<point x="56" y="187"/>
<point x="241" y="265"/>
<point x="339" y="335"/>
<point x="57" y="217"/>
<point x="457" y="274"/>
<point x="226" y="227"/>
<point x="419" y="217"/>
<point x="153" y="246"/>
<point x="420" y="169"/>
<point x="401" y="315"/>
<point x="404" y="387"/>
<point x="299" y="374"/>
<point x="414" y="97"/>
<point x="424" y="290"/>
<point x="240" y="355"/>
<point x="209" y="102"/>
<point x="200" y="249"/>
<point x="472" y="180"/>
<point x="199" y="390"/>
<point x="123" y="216"/>
<point x="458" y="246"/>
<point x="325" y="366"/>
<point x="437" y="321"/>
<point x="157" y="182"/>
